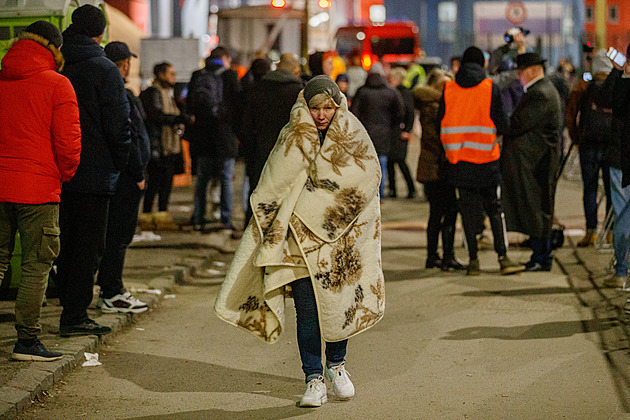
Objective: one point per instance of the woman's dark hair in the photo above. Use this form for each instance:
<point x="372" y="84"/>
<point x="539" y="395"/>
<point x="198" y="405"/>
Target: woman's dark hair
<point x="161" y="68"/>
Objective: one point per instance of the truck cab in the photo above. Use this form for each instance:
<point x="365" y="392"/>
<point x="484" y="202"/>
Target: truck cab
<point x="391" y="42"/>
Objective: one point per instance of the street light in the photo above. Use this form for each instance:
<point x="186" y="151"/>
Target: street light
<point x="278" y="4"/>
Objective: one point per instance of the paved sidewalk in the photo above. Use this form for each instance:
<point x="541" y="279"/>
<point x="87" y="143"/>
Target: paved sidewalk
<point x="152" y="269"/>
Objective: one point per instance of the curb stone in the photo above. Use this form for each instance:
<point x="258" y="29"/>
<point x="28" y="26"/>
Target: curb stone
<point x="39" y="377"/>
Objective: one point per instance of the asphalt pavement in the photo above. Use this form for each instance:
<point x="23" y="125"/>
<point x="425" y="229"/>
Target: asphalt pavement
<point x="485" y="313"/>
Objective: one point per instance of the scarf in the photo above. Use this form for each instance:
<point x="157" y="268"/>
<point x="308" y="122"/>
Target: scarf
<point x="171" y="144"/>
<point x="316" y="214"/>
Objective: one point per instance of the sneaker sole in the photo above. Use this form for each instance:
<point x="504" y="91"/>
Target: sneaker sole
<point x="81" y="333"/>
<point x="315" y="404"/>
<point x="33" y="358"/>
<point x="108" y="310"/>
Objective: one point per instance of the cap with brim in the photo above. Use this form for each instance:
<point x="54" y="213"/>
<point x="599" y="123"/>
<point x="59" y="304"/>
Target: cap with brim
<point x="117" y="51"/>
<point x="528" y="59"/>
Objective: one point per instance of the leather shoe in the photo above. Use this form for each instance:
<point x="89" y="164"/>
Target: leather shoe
<point x="452" y="263"/>
<point x="433" y="262"/>
<point x="534" y="266"/>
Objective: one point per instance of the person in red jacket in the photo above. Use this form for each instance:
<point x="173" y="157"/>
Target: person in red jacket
<point x="40" y="147"/>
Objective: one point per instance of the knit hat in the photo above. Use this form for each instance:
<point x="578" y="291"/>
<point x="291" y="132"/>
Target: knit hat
<point x="322" y="84"/>
<point x="473" y="55"/>
<point x="89" y="20"/>
<point x="343" y="77"/>
<point x="377" y="68"/>
<point x="46" y="30"/>
<point x="601" y="63"/>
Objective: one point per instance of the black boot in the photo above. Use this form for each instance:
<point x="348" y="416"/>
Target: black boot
<point x="433" y="261"/>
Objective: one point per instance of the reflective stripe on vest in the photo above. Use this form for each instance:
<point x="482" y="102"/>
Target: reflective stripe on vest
<point x="467" y="132"/>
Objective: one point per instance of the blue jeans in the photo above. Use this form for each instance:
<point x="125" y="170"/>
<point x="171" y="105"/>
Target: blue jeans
<point x="383" y="162"/>
<point x="308" y="334"/>
<point x="591" y="162"/>
<point x="207" y="167"/>
<point x="621" y="228"/>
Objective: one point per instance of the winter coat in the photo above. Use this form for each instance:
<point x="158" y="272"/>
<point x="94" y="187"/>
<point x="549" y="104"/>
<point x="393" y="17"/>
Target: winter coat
<point x="427" y="101"/>
<point x="380" y="109"/>
<point x="530" y="160"/>
<point x="216" y="136"/>
<point x="317" y="216"/>
<point x="104" y="113"/>
<point x="467" y="174"/>
<point x="576" y="106"/>
<point x="398" y="149"/>
<point x="140" y="143"/>
<point x="157" y="118"/>
<point x="267" y="111"/>
<point x="616" y="94"/>
<point x="40" y="133"/>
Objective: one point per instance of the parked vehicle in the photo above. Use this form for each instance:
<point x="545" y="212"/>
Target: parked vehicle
<point x="391" y="42"/>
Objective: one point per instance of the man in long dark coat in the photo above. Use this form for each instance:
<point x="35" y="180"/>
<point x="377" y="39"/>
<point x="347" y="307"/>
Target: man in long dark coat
<point x="530" y="160"/>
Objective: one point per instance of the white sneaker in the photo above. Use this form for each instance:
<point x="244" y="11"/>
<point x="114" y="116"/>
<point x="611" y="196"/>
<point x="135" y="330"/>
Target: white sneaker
<point x="342" y="385"/>
<point x="315" y="394"/>
<point x="123" y="303"/>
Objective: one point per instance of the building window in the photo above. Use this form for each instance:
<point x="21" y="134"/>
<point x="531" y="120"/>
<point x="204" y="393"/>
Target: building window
<point x="613" y="14"/>
<point x="590" y="14"/>
<point x="447" y="21"/>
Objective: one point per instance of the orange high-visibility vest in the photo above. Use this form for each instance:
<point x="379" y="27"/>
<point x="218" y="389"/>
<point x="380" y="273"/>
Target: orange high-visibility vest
<point x="467" y="132"/>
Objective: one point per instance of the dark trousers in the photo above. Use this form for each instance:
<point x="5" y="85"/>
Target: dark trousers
<point x="442" y="217"/>
<point x="308" y="333"/>
<point x="160" y="183"/>
<point x="391" y="176"/>
<point x="541" y="248"/>
<point x="472" y="203"/>
<point x="591" y="163"/>
<point x="121" y="226"/>
<point x="83" y="223"/>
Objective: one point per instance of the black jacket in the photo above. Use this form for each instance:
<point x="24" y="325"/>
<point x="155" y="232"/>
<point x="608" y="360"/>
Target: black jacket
<point x="380" y="110"/>
<point x="217" y="136"/>
<point x="104" y="115"/>
<point x="398" y="149"/>
<point x="466" y="174"/>
<point x="140" y="143"/>
<point x="156" y="118"/>
<point x="267" y="110"/>
<point x="616" y="95"/>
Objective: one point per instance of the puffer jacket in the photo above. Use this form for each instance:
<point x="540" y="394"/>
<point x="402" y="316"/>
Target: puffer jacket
<point x="380" y="109"/>
<point x="40" y="134"/>
<point x="104" y="112"/>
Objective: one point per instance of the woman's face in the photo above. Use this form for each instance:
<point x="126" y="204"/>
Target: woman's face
<point x="328" y="65"/>
<point x="323" y="114"/>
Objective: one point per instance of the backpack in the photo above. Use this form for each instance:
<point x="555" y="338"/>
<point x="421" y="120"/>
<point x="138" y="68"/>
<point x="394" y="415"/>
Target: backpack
<point x="595" y="125"/>
<point x="206" y="95"/>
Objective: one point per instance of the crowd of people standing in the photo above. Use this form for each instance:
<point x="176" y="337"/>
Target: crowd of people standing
<point x="320" y="146"/>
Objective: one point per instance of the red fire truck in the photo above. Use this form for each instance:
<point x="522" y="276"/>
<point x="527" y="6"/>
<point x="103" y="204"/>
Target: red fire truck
<point x="391" y="42"/>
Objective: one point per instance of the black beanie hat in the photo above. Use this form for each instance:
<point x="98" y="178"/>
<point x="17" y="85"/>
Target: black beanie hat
<point x="473" y="55"/>
<point x="46" y="30"/>
<point x="322" y="84"/>
<point x="89" y="20"/>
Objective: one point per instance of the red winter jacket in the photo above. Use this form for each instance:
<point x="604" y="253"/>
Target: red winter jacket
<point x="40" y="133"/>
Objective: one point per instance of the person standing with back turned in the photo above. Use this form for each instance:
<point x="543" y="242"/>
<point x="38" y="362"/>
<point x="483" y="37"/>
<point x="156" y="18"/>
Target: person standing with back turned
<point x="105" y="144"/>
<point x="472" y="115"/>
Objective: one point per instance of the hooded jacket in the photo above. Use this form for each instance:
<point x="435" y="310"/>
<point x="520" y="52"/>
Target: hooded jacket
<point x="466" y="174"/>
<point x="40" y="134"/>
<point x="217" y="136"/>
<point x="380" y="109"/>
<point x="104" y="113"/>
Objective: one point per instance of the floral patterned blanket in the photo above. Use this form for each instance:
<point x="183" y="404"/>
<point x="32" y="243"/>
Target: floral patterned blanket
<point x="316" y="214"/>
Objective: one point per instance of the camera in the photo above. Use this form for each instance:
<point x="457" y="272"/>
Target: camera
<point x="509" y="35"/>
